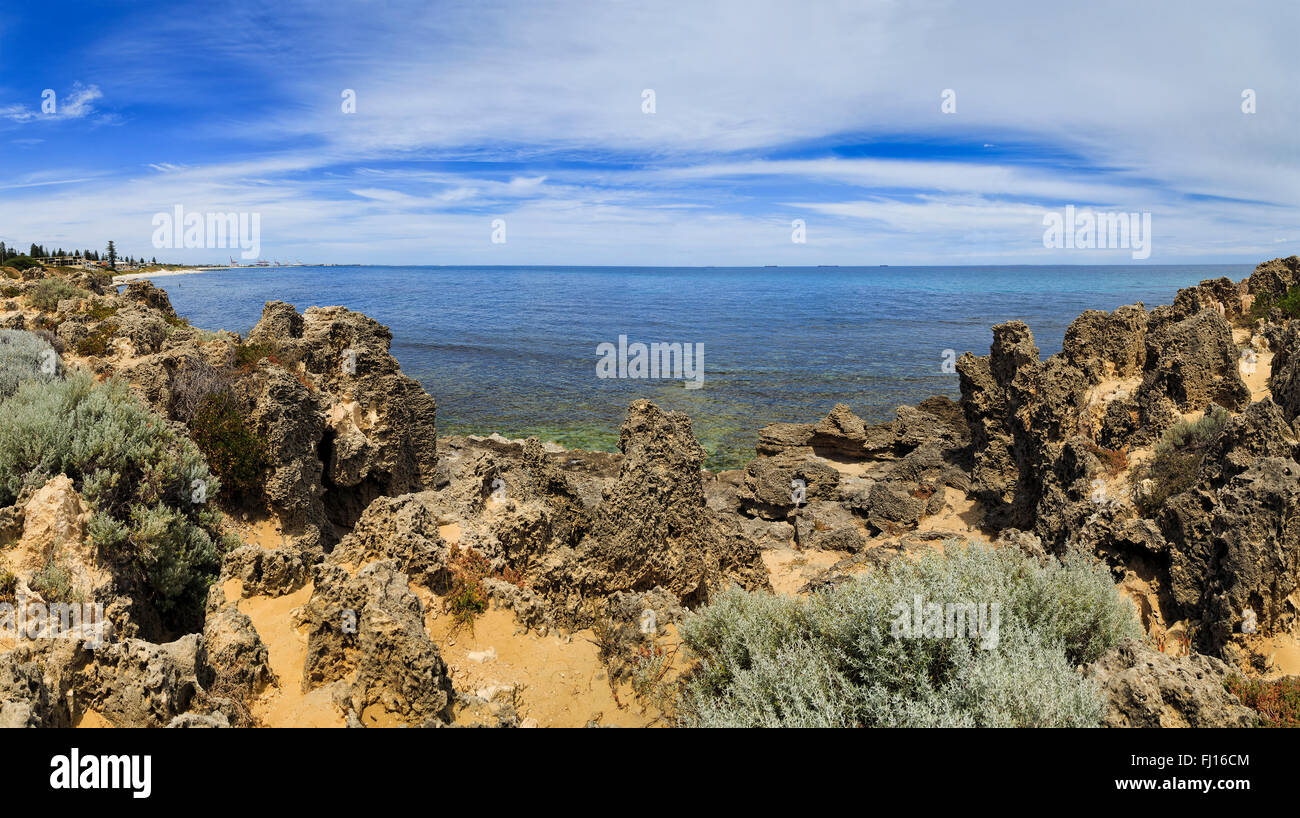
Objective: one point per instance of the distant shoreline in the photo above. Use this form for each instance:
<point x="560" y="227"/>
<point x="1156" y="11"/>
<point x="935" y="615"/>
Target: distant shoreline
<point x="127" y="278"/>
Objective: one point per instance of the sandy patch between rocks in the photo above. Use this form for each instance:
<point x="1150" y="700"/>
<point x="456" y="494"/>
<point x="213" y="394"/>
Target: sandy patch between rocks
<point x="555" y="680"/>
<point x="284" y="704"/>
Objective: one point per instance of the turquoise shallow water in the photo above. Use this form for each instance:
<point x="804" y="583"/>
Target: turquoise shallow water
<point x="514" y="349"/>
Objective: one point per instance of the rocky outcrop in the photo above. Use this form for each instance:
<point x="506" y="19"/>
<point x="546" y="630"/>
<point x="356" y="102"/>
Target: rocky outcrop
<point x="266" y="571"/>
<point x="131" y="683"/>
<point x="778" y="437"/>
<point x="774" y="486"/>
<point x="145" y="293"/>
<point x="231" y="657"/>
<point x="653" y="528"/>
<point x="366" y="636"/>
<point x="1284" y="378"/>
<point x="1274" y="277"/>
<point x="1194" y="362"/>
<point x="840" y="433"/>
<point x="1144" y="688"/>
<point x="378" y="436"/>
<point x="1020" y="412"/>
<point x="1108" y="344"/>
<point x="288" y="416"/>
<point x="1236" y="549"/>
<point x="401" y="529"/>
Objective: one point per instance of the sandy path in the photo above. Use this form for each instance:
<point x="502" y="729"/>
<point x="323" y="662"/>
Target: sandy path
<point x="284" y="704"/>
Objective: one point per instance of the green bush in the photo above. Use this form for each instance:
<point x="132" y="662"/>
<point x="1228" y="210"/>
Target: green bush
<point x="833" y="659"/>
<point x="1289" y="303"/>
<point x="25" y="356"/>
<point x="46" y="294"/>
<point x="22" y="263"/>
<point x="96" y="343"/>
<point x="99" y="311"/>
<point x="1175" y="464"/>
<point x="138" y="475"/>
<point x="54" y="583"/>
<point x="236" y="454"/>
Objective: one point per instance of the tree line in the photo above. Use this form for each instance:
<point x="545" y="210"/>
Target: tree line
<point x="40" y="251"/>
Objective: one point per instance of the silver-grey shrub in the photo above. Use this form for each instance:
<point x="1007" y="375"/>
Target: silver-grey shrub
<point x="831" y="660"/>
<point x="25" y="356"/>
<point x="136" y="471"/>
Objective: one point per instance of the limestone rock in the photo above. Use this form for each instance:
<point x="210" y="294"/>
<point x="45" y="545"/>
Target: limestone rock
<point x="1145" y="688"/>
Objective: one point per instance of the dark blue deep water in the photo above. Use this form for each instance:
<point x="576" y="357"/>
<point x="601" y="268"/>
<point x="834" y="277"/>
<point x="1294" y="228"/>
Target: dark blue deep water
<point x="513" y="349"/>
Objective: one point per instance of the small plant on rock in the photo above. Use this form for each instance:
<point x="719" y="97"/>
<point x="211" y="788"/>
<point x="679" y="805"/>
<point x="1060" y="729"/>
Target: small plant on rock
<point x="467" y="598"/>
<point x="1277" y="702"/>
<point x="96" y="343"/>
<point x="46" y="294"/>
<point x="233" y="450"/>
<point x="1175" y="465"/>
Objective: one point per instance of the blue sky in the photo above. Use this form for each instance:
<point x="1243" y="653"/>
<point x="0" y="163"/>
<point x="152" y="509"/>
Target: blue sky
<point x="765" y="112"/>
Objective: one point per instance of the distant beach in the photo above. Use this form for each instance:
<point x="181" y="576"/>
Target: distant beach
<point x="127" y="278"/>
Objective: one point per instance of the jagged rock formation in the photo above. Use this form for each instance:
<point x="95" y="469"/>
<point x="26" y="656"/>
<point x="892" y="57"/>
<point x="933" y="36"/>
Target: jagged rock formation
<point x="54" y="682"/>
<point x="1284" y="379"/>
<point x="1274" y="277"/>
<point x="374" y="509"/>
<point x="1144" y="688"/>
<point x="366" y="636"/>
<point x="1238" y="549"/>
<point x="651" y="528"/>
<point x="353" y="428"/>
<point x="1194" y="362"/>
<point x="231" y="656"/>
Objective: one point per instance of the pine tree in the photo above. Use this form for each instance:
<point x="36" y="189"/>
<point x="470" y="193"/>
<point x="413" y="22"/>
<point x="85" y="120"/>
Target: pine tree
<point x="112" y="256"/>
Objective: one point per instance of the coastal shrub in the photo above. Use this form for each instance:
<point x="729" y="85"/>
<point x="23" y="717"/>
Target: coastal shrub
<point x="96" y="343"/>
<point x="98" y="311"/>
<point x="176" y="555"/>
<point x="25" y="356"/>
<point x="1175" y="464"/>
<point x="1277" y="702"/>
<point x="21" y="263"/>
<point x="11" y="291"/>
<point x="467" y="597"/>
<point x="54" y="583"/>
<point x="247" y="355"/>
<point x="194" y="384"/>
<point x="233" y="450"/>
<point x="1288" y="303"/>
<point x="852" y="656"/>
<point x="46" y="294"/>
<point x="651" y="669"/>
<point x="146" y="483"/>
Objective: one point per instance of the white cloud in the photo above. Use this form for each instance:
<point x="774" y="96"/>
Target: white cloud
<point x="1111" y="104"/>
<point x="76" y="104"/>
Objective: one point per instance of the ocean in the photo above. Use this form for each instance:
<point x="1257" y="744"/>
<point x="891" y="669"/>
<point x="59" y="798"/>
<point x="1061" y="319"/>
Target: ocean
<point x="514" y="350"/>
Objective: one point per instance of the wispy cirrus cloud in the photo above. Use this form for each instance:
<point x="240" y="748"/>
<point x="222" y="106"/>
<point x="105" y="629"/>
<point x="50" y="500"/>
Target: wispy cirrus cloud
<point x="78" y="103"/>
